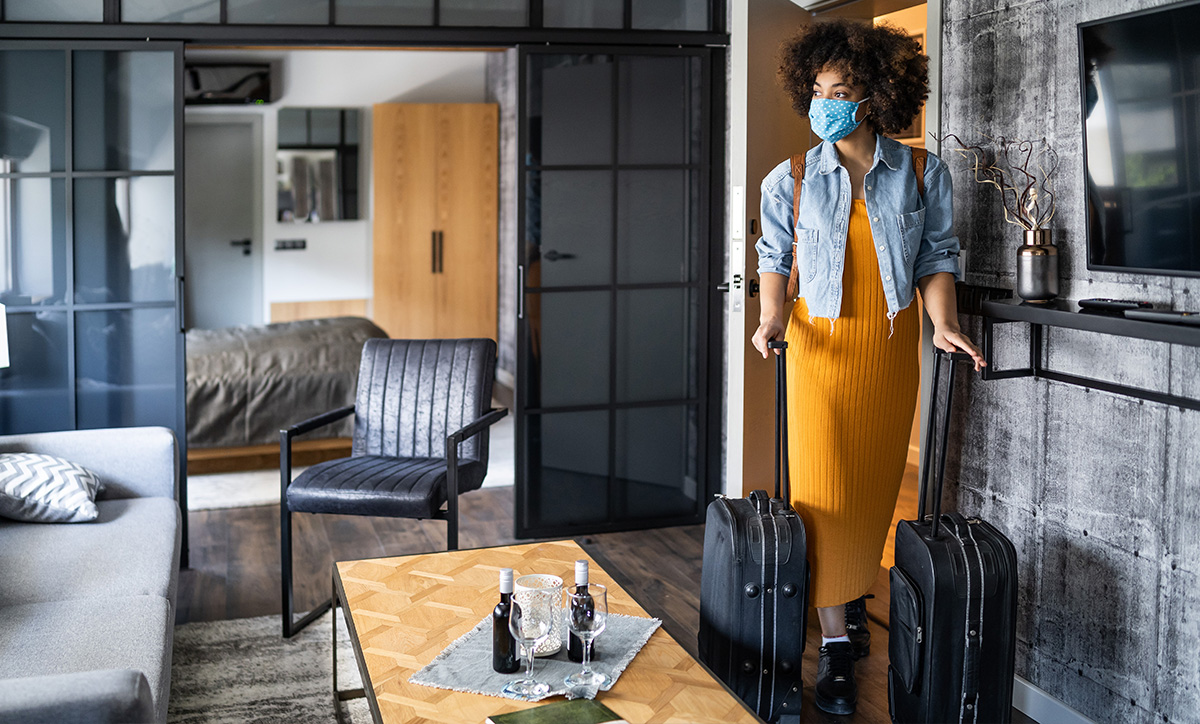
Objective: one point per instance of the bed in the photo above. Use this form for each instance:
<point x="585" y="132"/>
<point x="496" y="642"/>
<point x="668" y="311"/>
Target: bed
<point x="245" y="383"/>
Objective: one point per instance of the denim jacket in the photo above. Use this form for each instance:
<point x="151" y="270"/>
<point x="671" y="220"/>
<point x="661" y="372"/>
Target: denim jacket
<point x="914" y="237"/>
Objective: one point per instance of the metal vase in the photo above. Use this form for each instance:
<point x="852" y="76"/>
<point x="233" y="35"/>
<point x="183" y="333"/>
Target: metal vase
<point x="1037" y="267"/>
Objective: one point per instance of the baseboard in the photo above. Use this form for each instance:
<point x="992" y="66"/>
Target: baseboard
<point x="1042" y="707"/>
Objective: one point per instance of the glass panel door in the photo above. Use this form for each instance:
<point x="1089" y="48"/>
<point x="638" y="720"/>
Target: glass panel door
<point x="89" y="236"/>
<point x="613" y="370"/>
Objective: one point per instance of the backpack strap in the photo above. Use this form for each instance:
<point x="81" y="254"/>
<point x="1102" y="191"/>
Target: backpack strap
<point x="919" y="156"/>
<point x="798" y="167"/>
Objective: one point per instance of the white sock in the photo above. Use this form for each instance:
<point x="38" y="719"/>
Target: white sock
<point x="825" y="641"/>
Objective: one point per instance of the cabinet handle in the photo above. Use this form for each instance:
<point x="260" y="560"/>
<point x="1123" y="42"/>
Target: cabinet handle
<point x="441" y="252"/>
<point x="520" y="291"/>
<point x="433" y="251"/>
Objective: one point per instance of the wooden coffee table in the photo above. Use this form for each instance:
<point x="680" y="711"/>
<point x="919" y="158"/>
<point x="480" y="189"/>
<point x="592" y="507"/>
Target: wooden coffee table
<point x="404" y="611"/>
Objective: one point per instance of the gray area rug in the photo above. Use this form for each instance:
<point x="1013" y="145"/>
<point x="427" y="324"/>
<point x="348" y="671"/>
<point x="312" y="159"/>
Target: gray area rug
<point x="244" y="671"/>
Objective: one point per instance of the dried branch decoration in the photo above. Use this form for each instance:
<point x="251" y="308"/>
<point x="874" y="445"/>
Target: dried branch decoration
<point x="1026" y="193"/>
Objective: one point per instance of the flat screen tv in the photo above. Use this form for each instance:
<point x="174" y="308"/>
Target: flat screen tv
<point x="1140" y="80"/>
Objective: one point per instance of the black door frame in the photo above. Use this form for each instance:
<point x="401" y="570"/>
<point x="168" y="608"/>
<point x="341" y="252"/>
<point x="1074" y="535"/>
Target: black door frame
<point x="711" y="353"/>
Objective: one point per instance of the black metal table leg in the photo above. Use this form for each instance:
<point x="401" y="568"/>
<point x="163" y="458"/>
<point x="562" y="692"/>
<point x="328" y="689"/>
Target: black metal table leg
<point x="988" y="345"/>
<point x="1036" y="332"/>
<point x="989" y="352"/>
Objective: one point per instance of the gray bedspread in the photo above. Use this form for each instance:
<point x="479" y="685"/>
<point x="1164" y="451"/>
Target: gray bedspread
<point x="245" y="383"/>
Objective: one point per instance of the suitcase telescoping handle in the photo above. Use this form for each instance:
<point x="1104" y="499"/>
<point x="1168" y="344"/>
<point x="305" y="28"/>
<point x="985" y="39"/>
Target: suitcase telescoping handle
<point x="931" y="441"/>
<point x="783" y="489"/>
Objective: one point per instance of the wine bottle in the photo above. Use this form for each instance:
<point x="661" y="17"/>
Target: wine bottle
<point x="578" y="607"/>
<point x="504" y="646"/>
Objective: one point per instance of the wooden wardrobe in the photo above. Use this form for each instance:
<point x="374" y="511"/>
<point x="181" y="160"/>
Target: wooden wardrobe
<point x="436" y="205"/>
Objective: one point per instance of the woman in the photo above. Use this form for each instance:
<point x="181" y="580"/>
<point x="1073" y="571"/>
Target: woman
<point x="867" y="238"/>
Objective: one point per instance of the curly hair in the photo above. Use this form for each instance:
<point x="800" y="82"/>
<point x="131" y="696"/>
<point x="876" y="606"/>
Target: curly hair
<point x="882" y="59"/>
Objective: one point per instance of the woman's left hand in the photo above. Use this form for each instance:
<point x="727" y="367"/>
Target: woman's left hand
<point x="953" y="340"/>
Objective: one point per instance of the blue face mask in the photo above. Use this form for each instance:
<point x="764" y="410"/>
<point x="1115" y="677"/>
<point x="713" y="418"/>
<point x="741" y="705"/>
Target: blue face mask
<point x="833" y="119"/>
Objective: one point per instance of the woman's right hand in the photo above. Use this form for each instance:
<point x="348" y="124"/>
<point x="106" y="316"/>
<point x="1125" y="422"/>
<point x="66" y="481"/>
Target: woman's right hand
<point x="769" y="329"/>
<point x="771" y="313"/>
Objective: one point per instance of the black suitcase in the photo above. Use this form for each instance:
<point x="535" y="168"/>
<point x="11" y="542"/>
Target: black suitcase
<point x="952" y="638"/>
<point x="754" y="587"/>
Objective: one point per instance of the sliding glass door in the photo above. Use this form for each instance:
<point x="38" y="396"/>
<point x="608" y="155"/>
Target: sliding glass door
<point x="89" y="236"/>
<point x="614" y="426"/>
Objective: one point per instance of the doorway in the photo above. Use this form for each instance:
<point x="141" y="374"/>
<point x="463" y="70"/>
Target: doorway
<point x="658" y="175"/>
<point x="308" y="267"/>
<point x="911" y="20"/>
<point x="222" y="207"/>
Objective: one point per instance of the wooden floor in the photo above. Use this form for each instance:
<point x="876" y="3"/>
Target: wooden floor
<point x="235" y="574"/>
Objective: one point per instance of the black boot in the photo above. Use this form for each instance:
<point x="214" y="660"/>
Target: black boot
<point x="836" y="691"/>
<point x="856" y="626"/>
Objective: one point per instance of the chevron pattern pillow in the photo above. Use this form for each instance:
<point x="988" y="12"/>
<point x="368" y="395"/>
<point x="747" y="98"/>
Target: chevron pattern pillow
<point x="46" y="489"/>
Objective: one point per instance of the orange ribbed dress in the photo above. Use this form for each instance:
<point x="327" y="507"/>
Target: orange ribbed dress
<point x="851" y="395"/>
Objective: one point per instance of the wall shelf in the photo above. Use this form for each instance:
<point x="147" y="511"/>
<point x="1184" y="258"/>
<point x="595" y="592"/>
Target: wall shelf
<point x="1066" y="314"/>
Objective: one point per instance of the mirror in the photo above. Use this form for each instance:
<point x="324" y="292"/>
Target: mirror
<point x="308" y="185"/>
<point x="316" y="165"/>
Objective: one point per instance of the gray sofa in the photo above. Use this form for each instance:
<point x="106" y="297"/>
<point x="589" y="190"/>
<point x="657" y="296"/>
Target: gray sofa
<point x="87" y="610"/>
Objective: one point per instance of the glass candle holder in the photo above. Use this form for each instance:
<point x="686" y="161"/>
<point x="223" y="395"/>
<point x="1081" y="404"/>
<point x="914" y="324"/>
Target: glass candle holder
<point x="553" y="586"/>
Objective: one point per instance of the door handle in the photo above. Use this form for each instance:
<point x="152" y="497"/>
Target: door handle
<point x="553" y="255"/>
<point x="244" y="243"/>
<point x="180" y="301"/>
<point x="751" y="285"/>
<point x="520" y="291"/>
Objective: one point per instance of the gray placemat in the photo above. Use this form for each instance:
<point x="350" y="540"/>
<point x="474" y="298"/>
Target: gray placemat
<point x="466" y="664"/>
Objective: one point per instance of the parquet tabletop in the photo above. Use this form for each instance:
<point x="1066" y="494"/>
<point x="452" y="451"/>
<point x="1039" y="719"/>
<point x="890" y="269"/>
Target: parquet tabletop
<point x="404" y="611"/>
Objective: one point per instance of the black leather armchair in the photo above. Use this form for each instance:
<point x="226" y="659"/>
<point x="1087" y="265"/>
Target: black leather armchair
<point x="422" y="415"/>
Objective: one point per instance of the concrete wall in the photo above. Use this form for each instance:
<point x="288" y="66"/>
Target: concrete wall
<point x="1097" y="491"/>
<point x="337" y="261"/>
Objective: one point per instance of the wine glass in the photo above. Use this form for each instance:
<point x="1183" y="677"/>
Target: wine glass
<point x="587" y="615"/>
<point x="530" y="623"/>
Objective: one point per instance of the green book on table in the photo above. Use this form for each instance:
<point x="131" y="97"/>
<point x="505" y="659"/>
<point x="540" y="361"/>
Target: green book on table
<point x="575" y="711"/>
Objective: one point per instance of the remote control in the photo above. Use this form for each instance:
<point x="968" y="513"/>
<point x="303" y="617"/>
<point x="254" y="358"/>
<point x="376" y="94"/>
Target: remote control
<point x="1164" y="315"/>
<point x="1103" y="304"/>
